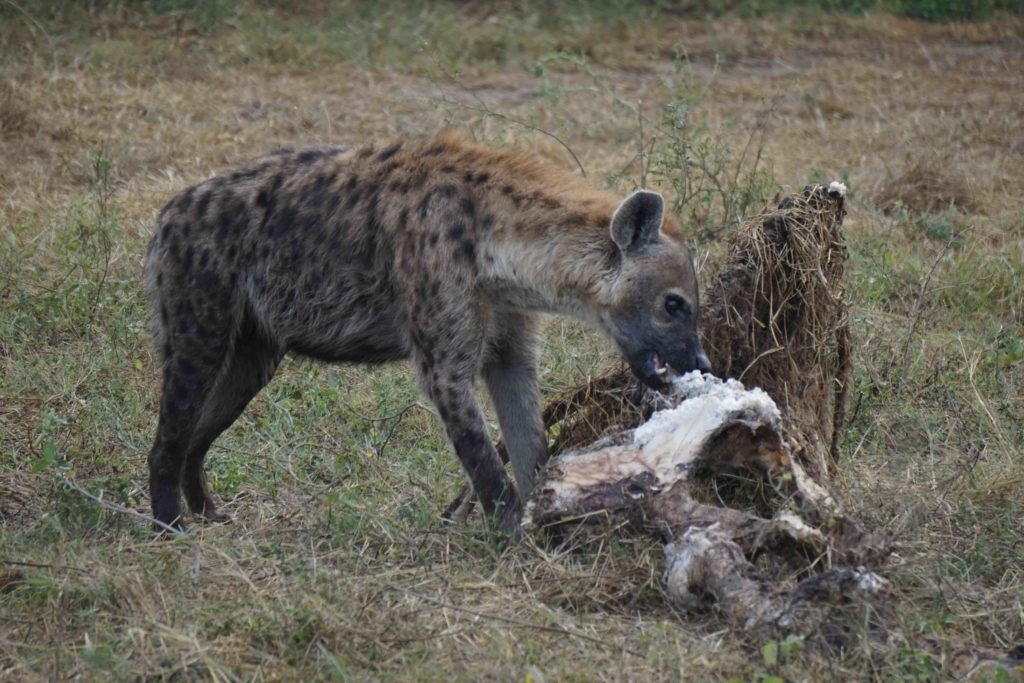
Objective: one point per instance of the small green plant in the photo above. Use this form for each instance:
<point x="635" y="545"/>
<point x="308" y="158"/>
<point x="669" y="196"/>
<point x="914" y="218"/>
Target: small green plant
<point x="715" y="188"/>
<point x="717" y="177"/>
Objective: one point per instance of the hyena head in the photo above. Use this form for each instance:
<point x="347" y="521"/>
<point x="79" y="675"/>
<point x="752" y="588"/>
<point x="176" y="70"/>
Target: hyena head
<point x="652" y="311"/>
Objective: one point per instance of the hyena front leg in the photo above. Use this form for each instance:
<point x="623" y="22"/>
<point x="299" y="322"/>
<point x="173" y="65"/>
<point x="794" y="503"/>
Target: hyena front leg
<point x="447" y="379"/>
<point x="510" y="370"/>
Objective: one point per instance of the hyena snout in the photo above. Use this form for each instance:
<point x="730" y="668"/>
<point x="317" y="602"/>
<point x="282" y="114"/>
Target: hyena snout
<point x="653" y="361"/>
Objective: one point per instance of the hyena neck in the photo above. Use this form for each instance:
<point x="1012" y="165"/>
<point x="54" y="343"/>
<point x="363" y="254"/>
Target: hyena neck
<point x="557" y="261"/>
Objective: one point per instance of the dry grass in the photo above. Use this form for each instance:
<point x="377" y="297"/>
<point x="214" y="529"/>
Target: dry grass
<point x="926" y="186"/>
<point x="337" y="565"/>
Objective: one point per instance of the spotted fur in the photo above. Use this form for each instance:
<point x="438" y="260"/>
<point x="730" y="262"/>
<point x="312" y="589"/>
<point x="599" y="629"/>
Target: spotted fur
<point x="441" y="251"/>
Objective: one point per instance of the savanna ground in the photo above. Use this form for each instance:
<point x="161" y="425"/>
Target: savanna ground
<point x="337" y="564"/>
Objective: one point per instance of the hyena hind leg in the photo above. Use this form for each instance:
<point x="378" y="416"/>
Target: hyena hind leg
<point x="188" y="379"/>
<point x="250" y="366"/>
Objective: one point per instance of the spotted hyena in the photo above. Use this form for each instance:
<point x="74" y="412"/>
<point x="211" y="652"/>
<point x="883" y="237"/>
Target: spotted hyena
<point x="442" y="251"/>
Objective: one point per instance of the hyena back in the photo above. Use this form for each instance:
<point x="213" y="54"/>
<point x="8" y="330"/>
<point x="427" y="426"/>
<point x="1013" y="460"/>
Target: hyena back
<point x="441" y="251"/>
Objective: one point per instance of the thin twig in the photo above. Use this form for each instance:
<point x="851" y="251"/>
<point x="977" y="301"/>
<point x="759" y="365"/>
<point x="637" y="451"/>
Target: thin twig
<point x="919" y="303"/>
<point x="640" y="123"/>
<point x="115" y="507"/>
<point x="31" y="19"/>
<point x="528" y="126"/>
<point x="971" y="365"/>
<point x="43" y="565"/>
<point x="482" y="108"/>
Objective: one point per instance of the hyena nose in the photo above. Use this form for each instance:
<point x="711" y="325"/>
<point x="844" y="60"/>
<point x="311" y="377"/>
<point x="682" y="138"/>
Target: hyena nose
<point x="703" y="364"/>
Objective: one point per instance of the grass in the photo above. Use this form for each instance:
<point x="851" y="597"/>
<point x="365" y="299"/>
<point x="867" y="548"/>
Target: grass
<point x="337" y="566"/>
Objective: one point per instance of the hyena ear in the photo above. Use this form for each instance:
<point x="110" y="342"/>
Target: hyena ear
<point x="637" y="221"/>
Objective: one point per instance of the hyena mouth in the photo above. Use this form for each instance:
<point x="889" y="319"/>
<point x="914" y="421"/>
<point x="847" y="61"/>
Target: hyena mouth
<point x="658" y="368"/>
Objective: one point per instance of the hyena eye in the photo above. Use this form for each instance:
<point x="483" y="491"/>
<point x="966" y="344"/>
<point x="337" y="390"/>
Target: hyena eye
<point x="675" y="305"/>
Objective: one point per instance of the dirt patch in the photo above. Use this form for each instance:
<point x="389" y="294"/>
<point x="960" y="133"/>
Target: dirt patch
<point x="928" y="184"/>
<point x="22" y="496"/>
<point x="15" y="117"/>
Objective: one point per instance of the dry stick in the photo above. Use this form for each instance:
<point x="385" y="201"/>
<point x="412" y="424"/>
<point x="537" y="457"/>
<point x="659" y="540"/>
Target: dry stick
<point x="508" y="620"/>
<point x="42" y="565"/>
<point x="114" y="507"/>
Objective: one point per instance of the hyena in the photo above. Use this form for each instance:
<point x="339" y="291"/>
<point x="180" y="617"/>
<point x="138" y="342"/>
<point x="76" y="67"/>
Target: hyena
<point x="441" y="250"/>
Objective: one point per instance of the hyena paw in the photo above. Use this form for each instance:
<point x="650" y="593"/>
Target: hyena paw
<point x="507" y="518"/>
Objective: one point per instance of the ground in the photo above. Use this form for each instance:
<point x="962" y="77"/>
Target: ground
<point x="337" y="564"/>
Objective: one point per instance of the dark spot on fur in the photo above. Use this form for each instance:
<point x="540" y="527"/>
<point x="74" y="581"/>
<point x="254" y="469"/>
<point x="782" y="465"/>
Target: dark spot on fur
<point x="184" y="201"/>
<point x="204" y="259"/>
<point x="203" y="205"/>
<point x="267" y="199"/>
<point x="186" y="264"/>
<point x="208" y="280"/>
<point x="353" y="198"/>
<point x="424" y="206"/>
<point x="174" y="246"/>
<point x="456" y="232"/>
<point x="433" y="239"/>
<point x="309" y="156"/>
<point x="365" y="152"/>
<point x="467" y="206"/>
<point x="239" y="176"/>
<point x="417" y="180"/>
<point x="448" y="168"/>
<point x="389" y="152"/>
<point x="468" y="249"/>
<point x="476" y="179"/>
<point x="447" y="191"/>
